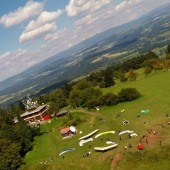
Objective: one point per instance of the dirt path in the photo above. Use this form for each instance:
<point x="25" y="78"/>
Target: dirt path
<point x="151" y="139"/>
<point x="86" y="112"/>
<point x="116" y="158"/>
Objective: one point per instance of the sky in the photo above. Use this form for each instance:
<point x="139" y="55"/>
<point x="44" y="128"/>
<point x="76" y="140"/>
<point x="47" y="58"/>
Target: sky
<point x="34" y="30"/>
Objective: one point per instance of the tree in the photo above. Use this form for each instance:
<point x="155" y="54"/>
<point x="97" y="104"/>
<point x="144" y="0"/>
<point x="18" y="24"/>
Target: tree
<point x="168" y="52"/>
<point x="128" y="94"/>
<point x="15" y="139"/>
<point x="166" y="64"/>
<point x="168" y="49"/>
<point x="132" y="75"/>
<point x="67" y="89"/>
<point x="108" y="78"/>
<point x="84" y="98"/>
<point x="75" y="98"/>
<point x="151" y="54"/>
<point x="158" y="65"/>
<point x="21" y="105"/>
<point x="123" y="78"/>
<point x="19" y="133"/>
<point x="117" y="74"/>
<point x="40" y="99"/>
<point x="81" y="85"/>
<point x="168" y="55"/>
<point x="59" y="97"/>
<point x="53" y="109"/>
<point x="102" y="84"/>
<point x="92" y="103"/>
<point x="95" y="77"/>
<point x="90" y="97"/>
<point x="147" y="70"/>
<point x="9" y="155"/>
<point x="109" y="99"/>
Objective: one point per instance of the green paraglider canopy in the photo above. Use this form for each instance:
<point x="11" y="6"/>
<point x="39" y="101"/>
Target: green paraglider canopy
<point x="145" y="111"/>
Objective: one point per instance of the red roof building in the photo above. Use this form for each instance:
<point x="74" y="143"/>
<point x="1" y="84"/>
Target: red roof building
<point x="34" y="113"/>
<point x="65" y="132"/>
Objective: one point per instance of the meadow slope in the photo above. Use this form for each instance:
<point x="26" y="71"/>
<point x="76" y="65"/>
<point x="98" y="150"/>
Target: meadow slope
<point x="155" y="96"/>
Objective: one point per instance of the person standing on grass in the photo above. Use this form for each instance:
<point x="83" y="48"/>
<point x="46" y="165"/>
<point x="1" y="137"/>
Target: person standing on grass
<point x="146" y="141"/>
<point x="126" y="148"/>
<point x="160" y="143"/>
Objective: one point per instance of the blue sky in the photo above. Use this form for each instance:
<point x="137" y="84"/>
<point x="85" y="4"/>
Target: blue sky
<point x="34" y="30"/>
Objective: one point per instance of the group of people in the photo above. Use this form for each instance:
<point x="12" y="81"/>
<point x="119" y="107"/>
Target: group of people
<point x="87" y="154"/>
<point x="126" y="147"/>
<point x="44" y="162"/>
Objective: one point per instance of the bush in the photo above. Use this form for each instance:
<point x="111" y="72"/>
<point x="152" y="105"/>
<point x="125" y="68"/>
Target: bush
<point x="128" y="94"/>
<point x="102" y="84"/>
<point x="92" y="103"/>
<point x="123" y="78"/>
<point x="109" y="99"/>
<point x="132" y="75"/>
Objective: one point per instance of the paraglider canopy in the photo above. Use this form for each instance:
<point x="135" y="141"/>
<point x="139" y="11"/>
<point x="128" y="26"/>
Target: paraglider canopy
<point x="73" y="129"/>
<point x="140" y="147"/>
<point x="145" y="111"/>
<point x="122" y="111"/>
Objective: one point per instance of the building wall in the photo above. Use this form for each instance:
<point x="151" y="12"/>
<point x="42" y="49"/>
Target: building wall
<point x="36" y="116"/>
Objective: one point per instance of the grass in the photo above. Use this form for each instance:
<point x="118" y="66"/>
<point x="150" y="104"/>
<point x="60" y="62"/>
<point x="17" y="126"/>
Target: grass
<point x="153" y="159"/>
<point x="155" y="92"/>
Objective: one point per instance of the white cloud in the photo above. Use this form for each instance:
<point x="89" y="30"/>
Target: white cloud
<point x="12" y="62"/>
<point x="87" y="20"/>
<point x="44" y="18"/>
<point x="92" y="22"/>
<point x="21" y="14"/>
<point x="5" y="55"/>
<point x="41" y="26"/>
<point x="19" y="53"/>
<point x="56" y="36"/>
<point x="121" y="5"/>
<point x="76" y="7"/>
<point x="36" y="33"/>
<point x="19" y="60"/>
<point x="13" y="55"/>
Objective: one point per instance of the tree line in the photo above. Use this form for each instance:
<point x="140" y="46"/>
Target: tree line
<point x="87" y="92"/>
<point x="15" y="139"/>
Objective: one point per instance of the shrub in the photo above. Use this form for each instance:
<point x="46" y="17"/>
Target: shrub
<point x="109" y="99"/>
<point x="128" y="94"/>
<point x="123" y="78"/>
<point x="102" y="84"/>
<point x="132" y="75"/>
<point x="147" y="70"/>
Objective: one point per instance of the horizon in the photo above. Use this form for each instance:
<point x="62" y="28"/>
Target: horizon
<point x="34" y="31"/>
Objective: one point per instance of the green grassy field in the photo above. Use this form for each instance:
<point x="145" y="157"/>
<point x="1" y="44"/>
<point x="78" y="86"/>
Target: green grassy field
<point x="155" y="91"/>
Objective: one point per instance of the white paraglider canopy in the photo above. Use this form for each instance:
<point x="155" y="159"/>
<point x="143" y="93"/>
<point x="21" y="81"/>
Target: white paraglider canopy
<point x="73" y="129"/>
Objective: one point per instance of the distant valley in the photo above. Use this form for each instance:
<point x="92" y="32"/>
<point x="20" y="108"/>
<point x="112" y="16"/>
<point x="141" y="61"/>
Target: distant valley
<point x="105" y="49"/>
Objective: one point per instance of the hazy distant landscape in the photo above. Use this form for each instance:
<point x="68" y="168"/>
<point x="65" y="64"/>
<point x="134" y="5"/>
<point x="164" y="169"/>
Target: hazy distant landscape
<point x="108" y="48"/>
